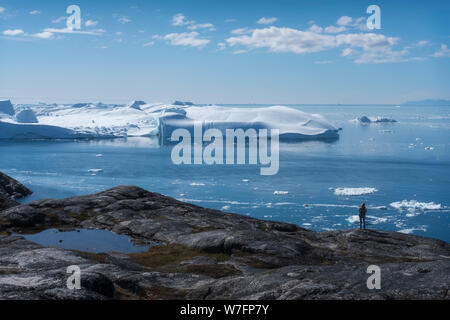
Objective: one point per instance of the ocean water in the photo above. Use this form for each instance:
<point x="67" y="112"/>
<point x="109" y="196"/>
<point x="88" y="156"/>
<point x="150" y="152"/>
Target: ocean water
<point x="404" y="168"/>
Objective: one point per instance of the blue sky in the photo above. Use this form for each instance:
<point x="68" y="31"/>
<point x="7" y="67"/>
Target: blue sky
<point x="282" y="51"/>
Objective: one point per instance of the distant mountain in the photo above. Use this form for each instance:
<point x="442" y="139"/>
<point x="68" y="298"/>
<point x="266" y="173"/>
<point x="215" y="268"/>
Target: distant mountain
<point x="427" y="102"/>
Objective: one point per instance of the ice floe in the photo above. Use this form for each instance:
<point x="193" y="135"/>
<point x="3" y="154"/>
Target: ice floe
<point x="369" y="120"/>
<point x="414" y="205"/>
<point x="354" y="191"/>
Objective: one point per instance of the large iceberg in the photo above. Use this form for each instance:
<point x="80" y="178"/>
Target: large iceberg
<point x="292" y="124"/>
<point x="139" y="119"/>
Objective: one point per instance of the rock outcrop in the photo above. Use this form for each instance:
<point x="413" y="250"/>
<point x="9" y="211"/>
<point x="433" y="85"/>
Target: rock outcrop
<point x="208" y="254"/>
<point x="11" y="188"/>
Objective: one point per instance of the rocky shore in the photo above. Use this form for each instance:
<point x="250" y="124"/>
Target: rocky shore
<point x="207" y="254"/>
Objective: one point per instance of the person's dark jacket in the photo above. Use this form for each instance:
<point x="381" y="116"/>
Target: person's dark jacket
<point x="362" y="211"/>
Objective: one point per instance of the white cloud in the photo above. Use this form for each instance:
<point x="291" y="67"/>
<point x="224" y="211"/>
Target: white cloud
<point x="346" y="52"/>
<point x="60" y="19"/>
<point x="208" y="26"/>
<point x="265" y="20"/>
<point x="48" y="33"/>
<point x="2" y="9"/>
<point x="124" y="20"/>
<point x="184" y="39"/>
<point x="91" y="23"/>
<point x="323" y="62"/>
<point x="344" y="21"/>
<point x="383" y="55"/>
<point x="44" y="35"/>
<point x="375" y="48"/>
<point x="221" y="45"/>
<point x="96" y="32"/>
<point x="443" y="52"/>
<point x="241" y="31"/>
<point x="230" y="20"/>
<point x="148" y="44"/>
<point x="180" y="20"/>
<point x="35" y="12"/>
<point x="422" y="43"/>
<point x="284" y="40"/>
<point x="315" y="28"/>
<point x="15" y="32"/>
<point x="334" y="29"/>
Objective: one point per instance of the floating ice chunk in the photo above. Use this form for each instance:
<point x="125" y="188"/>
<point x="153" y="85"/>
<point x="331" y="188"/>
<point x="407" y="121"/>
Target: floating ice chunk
<point x="277" y="193"/>
<point x="354" y="191"/>
<point x="429" y="148"/>
<point x="245" y="180"/>
<point x="411" y="230"/>
<point x="99" y="155"/>
<point x="369" y="219"/>
<point x="95" y="170"/>
<point x="197" y="184"/>
<point x="414" y="205"/>
<point x="368" y="120"/>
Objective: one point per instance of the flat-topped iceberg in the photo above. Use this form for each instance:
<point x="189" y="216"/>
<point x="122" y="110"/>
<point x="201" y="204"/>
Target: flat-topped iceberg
<point x="140" y="119"/>
<point x="291" y="123"/>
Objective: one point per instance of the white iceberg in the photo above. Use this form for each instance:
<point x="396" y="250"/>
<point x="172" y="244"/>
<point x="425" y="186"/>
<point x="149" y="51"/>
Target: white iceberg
<point x="354" y="191"/>
<point x="291" y="123"/>
<point x="140" y="119"/>
<point x="414" y="205"/>
<point x="278" y="192"/>
<point x="368" y="120"/>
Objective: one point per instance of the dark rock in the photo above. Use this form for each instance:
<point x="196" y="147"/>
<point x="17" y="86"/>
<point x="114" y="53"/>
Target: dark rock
<point x="6" y="202"/>
<point x="208" y="254"/>
<point x="11" y="188"/>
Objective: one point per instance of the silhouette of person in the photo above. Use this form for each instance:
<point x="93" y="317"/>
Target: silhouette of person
<point x="362" y="216"/>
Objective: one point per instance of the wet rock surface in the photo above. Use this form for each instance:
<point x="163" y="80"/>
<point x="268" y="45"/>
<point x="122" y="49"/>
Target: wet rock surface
<point x="208" y="254"/>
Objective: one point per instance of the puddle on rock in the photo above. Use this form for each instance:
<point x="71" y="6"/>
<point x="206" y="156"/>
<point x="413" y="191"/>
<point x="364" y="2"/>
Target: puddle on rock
<point x="87" y="240"/>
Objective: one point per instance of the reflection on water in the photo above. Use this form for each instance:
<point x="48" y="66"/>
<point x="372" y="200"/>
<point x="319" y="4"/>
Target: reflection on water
<point x="86" y="240"/>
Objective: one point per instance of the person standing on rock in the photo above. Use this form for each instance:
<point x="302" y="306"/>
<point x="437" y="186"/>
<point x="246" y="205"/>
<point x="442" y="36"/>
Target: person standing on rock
<point x="362" y="216"/>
